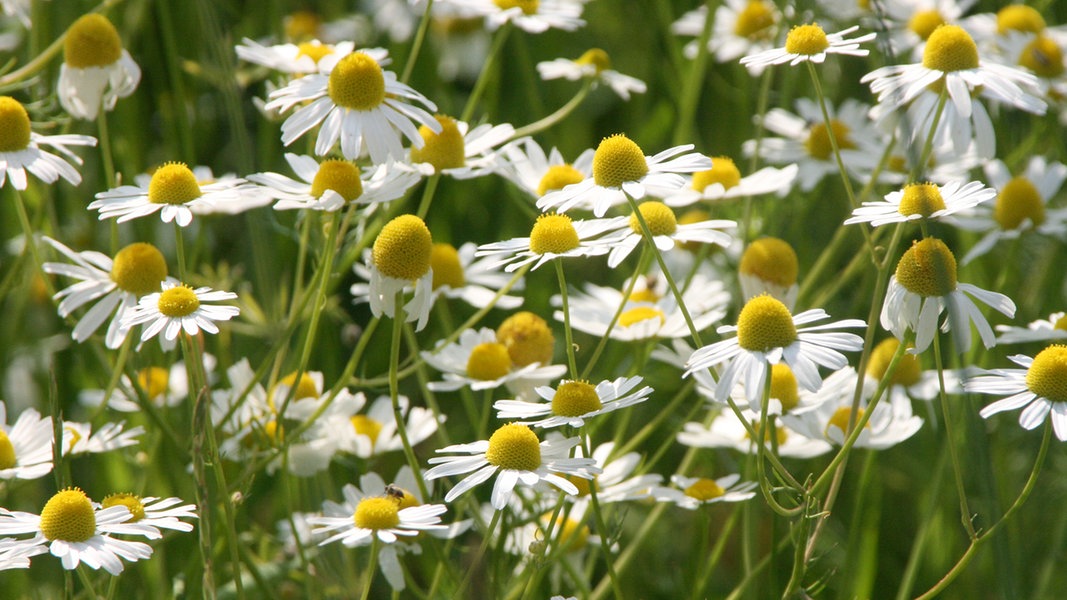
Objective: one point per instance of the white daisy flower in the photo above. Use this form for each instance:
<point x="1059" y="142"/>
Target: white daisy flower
<point x="457" y="150"/>
<point x="179" y="307"/>
<point x="693" y="492"/>
<point x="1009" y="21"/>
<point x="1043" y="330"/>
<point x="15" y="555"/>
<point x="617" y="481"/>
<point x="516" y="456"/>
<point x="910" y="23"/>
<point x="741" y="27"/>
<point x="525" y="164"/>
<point x="724" y="181"/>
<point x="809" y="43"/>
<point x="247" y="196"/>
<point x="786" y="397"/>
<point x="667" y="232"/>
<point x="1037" y="389"/>
<point x="373" y="431"/>
<point x="531" y="16"/>
<point x="573" y="402"/>
<point x="555" y="236"/>
<point x="306" y="57"/>
<point x="482" y="362"/>
<point x="358" y="104"/>
<point x="595" y="65"/>
<point x="96" y="69"/>
<point x="922" y="201"/>
<point x="334" y="183"/>
<point x="157" y="513"/>
<point x="21" y="149"/>
<point x="909" y="380"/>
<point x="80" y="438"/>
<point x="621" y="169"/>
<point x="925" y="284"/>
<point x="769" y="265"/>
<point x="726" y="431"/>
<point x="1042" y="55"/>
<point x="400" y="258"/>
<point x="380" y="517"/>
<point x="161" y="386"/>
<point x="25" y="446"/>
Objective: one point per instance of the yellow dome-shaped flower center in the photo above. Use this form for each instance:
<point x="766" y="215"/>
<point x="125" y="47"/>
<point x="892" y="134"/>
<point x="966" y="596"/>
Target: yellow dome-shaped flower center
<point x="155" y="381"/>
<point x="908" y="372"/>
<point x="1044" y="57"/>
<point x="754" y="20"/>
<point x="923" y="199"/>
<point x="178" y="301"/>
<point x="403" y="498"/>
<point x="771" y="259"/>
<point x="645" y="295"/>
<point x="806" y="39"/>
<point x="818" y="142"/>
<point x="765" y="323"/>
<point x="338" y="175"/>
<point x="928" y="268"/>
<point x="841" y="417"/>
<point x="68" y="516"/>
<point x="573" y="535"/>
<point x="528" y="7"/>
<point x="403" y="248"/>
<point x="575" y="398"/>
<point x="1018" y="200"/>
<point x="784" y="386"/>
<point x="173" y="183"/>
<point x="364" y="425"/>
<point x="488" y="361"/>
<point x="14" y="125"/>
<point x="554" y="234"/>
<point x="7" y="451"/>
<point x="1019" y="17"/>
<point x="722" y="171"/>
<point x="377" y="512"/>
<point x="704" y="489"/>
<point x="514" y="446"/>
<point x="447" y="270"/>
<point x="659" y="217"/>
<point x="1047" y="376"/>
<point x="950" y="48"/>
<point x="305" y="388"/>
<point x="357" y="82"/>
<point x="924" y="22"/>
<point x="617" y="160"/>
<point x="92" y="41"/>
<point x="528" y="339"/>
<point x="558" y="177"/>
<point x="639" y="314"/>
<point x="131" y="501"/>
<point x="443" y="150"/>
<point x="314" y="50"/>
<point x="139" y="269"/>
<point x="596" y="57"/>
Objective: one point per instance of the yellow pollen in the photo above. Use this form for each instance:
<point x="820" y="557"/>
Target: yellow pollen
<point x="173" y="183"/>
<point x="68" y="516"/>
<point x="575" y="398"/>
<point x="641" y="313"/>
<point x="92" y="41"/>
<point x="1019" y="17"/>
<point x="1019" y="200"/>
<point x="618" y="160"/>
<point x="178" y="301"/>
<point x="950" y="48"/>
<point x="443" y="150"/>
<point x="7" y="451"/>
<point x="302" y="25"/>
<point x="754" y="20"/>
<point x="722" y="171"/>
<point x="155" y="381"/>
<point x="554" y="234"/>
<point x="806" y="39"/>
<point x="514" y="446"/>
<point x="818" y="143"/>
<point x="1047" y="376"/>
<point x="139" y="269"/>
<point x="704" y="489"/>
<point x="274" y="432"/>
<point x="922" y="199"/>
<point x="645" y="295"/>
<point x="558" y="177"/>
<point x="447" y="270"/>
<point x="404" y="498"/>
<point x="908" y="372"/>
<point x="488" y="361"/>
<point x="596" y="57"/>
<point x="14" y="125"/>
<point x="338" y="175"/>
<point x="771" y="259"/>
<point x="403" y="248"/>
<point x="659" y="217"/>
<point x="924" y="22"/>
<point x="1044" y="57"/>
<point x="305" y="388"/>
<point x="841" y="417"/>
<point x="765" y="323"/>
<point x="528" y="339"/>
<point x="377" y="512"/>
<point x="314" y="50"/>
<point x="528" y="7"/>
<point x="784" y="386"/>
<point x="131" y="501"/>
<point x="928" y="268"/>
<point x="364" y="425"/>
<point x="357" y="82"/>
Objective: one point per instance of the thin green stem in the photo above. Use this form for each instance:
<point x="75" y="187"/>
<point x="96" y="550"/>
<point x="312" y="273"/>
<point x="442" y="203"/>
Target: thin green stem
<point x="560" y="113"/>
<point x="372" y="566"/>
<point x="965" y="512"/>
<point x="416" y="44"/>
<point x="598" y="516"/>
<point x="568" y="334"/>
<point x="691" y="86"/>
<point x="487" y="69"/>
<point x="394" y="392"/>
<point x="477" y="559"/>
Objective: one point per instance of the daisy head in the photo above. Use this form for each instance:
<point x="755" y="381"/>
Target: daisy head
<point x="401" y="257"/>
<point x="527" y="338"/>
<point x="96" y="69"/>
<point x="740" y="27"/>
<point x="532" y="16"/>
<point x="727" y="431"/>
<point x="809" y="43"/>
<point x="693" y="492"/>
<point x="334" y="183"/>
<point x="20" y="149"/>
<point x="769" y="265"/>
<point x="594" y="65"/>
<point x="1039" y="388"/>
<point x="180" y="308"/>
<point x="454" y="149"/>
<point x="666" y="232"/>
<point x="160" y="513"/>
<point x="573" y="402"/>
<point x="1053" y="328"/>
<point x="457" y="273"/>
<point x="482" y="361"/>
<point x="536" y="172"/>
<point x="555" y="236"/>
<point x="922" y="201"/>
<point x="382" y="518"/>
<point x="25" y="446"/>
<point x="724" y="181"/>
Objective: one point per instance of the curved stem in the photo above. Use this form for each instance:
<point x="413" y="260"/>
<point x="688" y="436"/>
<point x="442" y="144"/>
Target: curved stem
<point x="560" y="113"/>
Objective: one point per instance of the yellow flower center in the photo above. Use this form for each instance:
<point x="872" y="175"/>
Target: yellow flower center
<point x="659" y="217"/>
<point x="314" y="51"/>
<point x="641" y="313"/>
<point x="806" y="39"/>
<point x="92" y="41"/>
<point x="575" y="398"/>
<point x="443" y="150"/>
<point x="1061" y="323"/>
<point x="596" y="57"/>
<point x="841" y="417"/>
<point x="274" y="432"/>
<point x="765" y="323"/>
<point x="139" y="269"/>
<point x="404" y="498"/>
<point x="338" y="175"/>
<point x="14" y="125"/>
<point x="357" y="82"/>
<point x="447" y="270"/>
<point x="514" y="446"/>
<point x="488" y="361"/>
<point x="722" y="171"/>
<point x="928" y="268"/>
<point x="704" y="489"/>
<point x="754" y="20"/>
<point x="818" y="142"/>
<point x="178" y="301"/>
<point x="617" y="160"/>
<point x="68" y="516"/>
<point x="924" y="22"/>
<point x="528" y="339"/>
<point x="573" y="535"/>
<point x="130" y="501"/>
<point x="584" y="485"/>
<point x="305" y="388"/>
<point x="364" y="425"/>
<point x="173" y="183"/>
<point x="377" y="513"/>
<point x="529" y="7"/>
<point x="554" y="234"/>
<point x="1019" y="200"/>
<point x="1047" y="376"/>
<point x="403" y="248"/>
<point x="908" y="372"/>
<point x="950" y="48"/>
<point x="558" y="177"/>
<point x="301" y="25"/>
<point x="771" y="259"/>
<point x="780" y="434"/>
<point x="1019" y="17"/>
<point x="7" y="451"/>
<point x="1044" y="57"/>
<point x="784" y="386"/>
<point x="155" y="381"/>
<point x="645" y="295"/>
<point x="922" y="199"/>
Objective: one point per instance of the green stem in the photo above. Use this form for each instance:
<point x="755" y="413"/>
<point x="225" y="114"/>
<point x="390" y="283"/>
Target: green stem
<point x="427" y="195"/>
<point x="487" y="68"/>
<point x="372" y="566"/>
<point x="965" y="512"/>
<point x="605" y="544"/>
<point x="561" y="113"/>
<point x="473" y="566"/>
<point x="692" y="85"/>
<point x="566" y="319"/>
<point x="394" y="393"/>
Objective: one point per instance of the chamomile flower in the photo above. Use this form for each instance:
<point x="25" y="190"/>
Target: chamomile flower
<point x="532" y="16"/>
<point x="1042" y="55"/>
<point x="909" y="380"/>
<point x="21" y="149"/>
<point x="527" y="338"/>
<point x="358" y="104"/>
<point x="741" y="27"/>
<point x="1038" y="389"/>
<point x="333" y="184"/>
<point x="786" y="395"/>
<point x="380" y="517"/>
<point x="726" y="431"/>
<point x="617" y="481"/>
<point x="247" y="196"/>
<point x="925" y="284"/>
<point x="179" y="307"/>
<point x="910" y="23"/>
<point x="1053" y="328"/>
<point x="456" y="150"/>
<point x="555" y="236"/>
<point x="693" y="492"/>
<point x="767" y="334"/>
<point x="399" y="259"/>
<point x="457" y="273"/>
<point x="724" y="181"/>
<point x="769" y="265"/>
<point x="809" y="43"/>
<point x="667" y="232"/>
<point x="83" y="438"/>
<point x="96" y="69"/>
<point x="516" y="456"/>
<point x="479" y="360"/>
<point x="595" y="65"/>
<point x="525" y="164"/>
<point x="573" y="402"/>
<point x="161" y="386"/>
<point x="25" y="446"/>
<point x="115" y="285"/>
<point x="14" y="555"/>
<point x="305" y="57"/>
<point x="922" y="201"/>
<point x="621" y="169"/>
<point x="157" y="513"/>
<point x="371" y="431"/>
